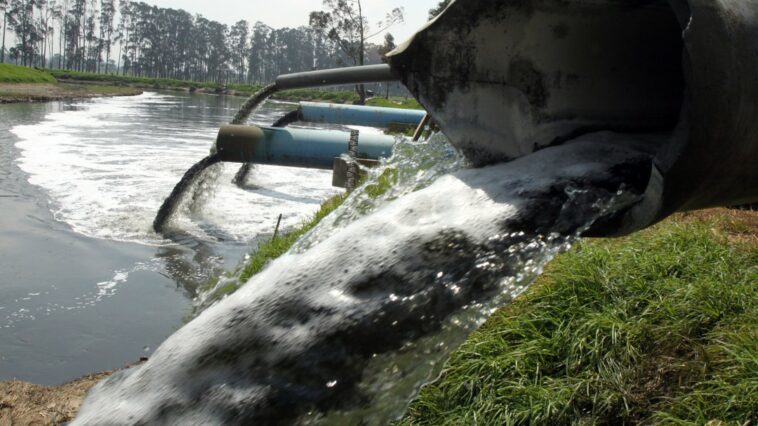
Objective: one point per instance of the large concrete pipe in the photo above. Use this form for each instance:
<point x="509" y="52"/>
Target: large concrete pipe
<point x="505" y="78"/>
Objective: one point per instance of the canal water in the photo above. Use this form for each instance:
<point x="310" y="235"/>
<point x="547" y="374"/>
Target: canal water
<point x="85" y="285"/>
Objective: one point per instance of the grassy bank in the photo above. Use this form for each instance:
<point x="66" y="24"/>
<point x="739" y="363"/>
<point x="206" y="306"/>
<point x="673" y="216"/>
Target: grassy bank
<point x="46" y="92"/>
<point x="23" y="84"/>
<point x="333" y="96"/>
<point x="275" y="247"/>
<point x="655" y="328"/>
<point x="15" y="74"/>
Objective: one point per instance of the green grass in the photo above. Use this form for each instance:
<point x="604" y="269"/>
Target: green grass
<point x="16" y="74"/>
<point x="268" y="251"/>
<point x="141" y="81"/>
<point x="656" y="328"/>
<point x="340" y="97"/>
<point x="274" y="248"/>
<point x="394" y="102"/>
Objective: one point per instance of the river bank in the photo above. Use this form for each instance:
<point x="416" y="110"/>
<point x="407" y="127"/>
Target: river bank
<point x="24" y="84"/>
<point x="59" y="91"/>
<point x="230" y="89"/>
<point x="691" y="241"/>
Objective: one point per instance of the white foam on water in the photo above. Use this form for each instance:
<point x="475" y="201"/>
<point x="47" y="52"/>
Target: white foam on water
<point x="36" y="304"/>
<point x="347" y="330"/>
<point x="107" y="167"/>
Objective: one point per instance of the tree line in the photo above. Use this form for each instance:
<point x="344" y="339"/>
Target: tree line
<point x="137" y="39"/>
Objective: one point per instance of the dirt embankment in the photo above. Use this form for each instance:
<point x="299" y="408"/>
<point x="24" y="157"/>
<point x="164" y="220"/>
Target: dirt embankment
<point x="23" y="403"/>
<point x="46" y="92"/>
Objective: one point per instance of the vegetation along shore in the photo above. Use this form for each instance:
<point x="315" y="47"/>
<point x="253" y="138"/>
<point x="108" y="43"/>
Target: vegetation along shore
<point x="23" y="84"/>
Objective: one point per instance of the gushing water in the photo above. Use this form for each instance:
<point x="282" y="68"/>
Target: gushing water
<point x="346" y="330"/>
<point x="200" y="178"/>
<point x="172" y="201"/>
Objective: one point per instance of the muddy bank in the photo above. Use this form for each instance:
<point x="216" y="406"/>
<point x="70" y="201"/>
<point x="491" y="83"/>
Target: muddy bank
<point x="23" y="403"/>
<point x="46" y="92"/>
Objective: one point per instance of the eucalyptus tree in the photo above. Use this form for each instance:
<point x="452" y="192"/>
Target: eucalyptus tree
<point x="90" y="37"/>
<point x="53" y="12"/>
<point x="344" y="23"/>
<point x="74" y="27"/>
<point x="23" y="28"/>
<point x="436" y="10"/>
<point x="62" y="17"/>
<point x="259" y="42"/>
<point x="161" y="42"/>
<point x="122" y="33"/>
<point x="238" y="47"/>
<point x="4" y="7"/>
<point x="107" y="18"/>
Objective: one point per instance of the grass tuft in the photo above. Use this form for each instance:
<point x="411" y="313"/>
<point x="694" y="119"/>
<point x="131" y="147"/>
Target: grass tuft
<point x="659" y="327"/>
<point x="274" y="248"/>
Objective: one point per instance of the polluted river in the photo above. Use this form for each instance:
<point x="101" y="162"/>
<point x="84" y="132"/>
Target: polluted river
<point x="87" y="285"/>
<point x="344" y="329"/>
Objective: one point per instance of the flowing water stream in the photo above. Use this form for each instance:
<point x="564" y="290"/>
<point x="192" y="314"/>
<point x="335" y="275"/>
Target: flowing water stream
<point x="85" y="284"/>
<point x="346" y="327"/>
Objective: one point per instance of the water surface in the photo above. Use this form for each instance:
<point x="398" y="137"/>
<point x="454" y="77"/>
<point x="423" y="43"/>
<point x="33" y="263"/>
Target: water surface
<point x="85" y="285"/>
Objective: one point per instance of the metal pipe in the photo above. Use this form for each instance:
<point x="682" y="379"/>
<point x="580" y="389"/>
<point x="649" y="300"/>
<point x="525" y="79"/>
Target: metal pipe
<point x="295" y="147"/>
<point x="314" y="112"/>
<point x="335" y="77"/>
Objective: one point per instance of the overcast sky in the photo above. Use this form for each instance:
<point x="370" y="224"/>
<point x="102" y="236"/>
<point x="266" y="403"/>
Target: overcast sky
<point x="294" y="13"/>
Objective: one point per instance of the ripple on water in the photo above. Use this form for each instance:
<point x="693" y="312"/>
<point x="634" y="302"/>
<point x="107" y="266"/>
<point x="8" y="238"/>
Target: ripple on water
<point x="107" y="166"/>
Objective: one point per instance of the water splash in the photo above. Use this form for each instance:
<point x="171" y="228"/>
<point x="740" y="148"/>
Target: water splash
<point x="117" y="176"/>
<point x="191" y="177"/>
<point x="253" y="102"/>
<point x="413" y="165"/>
<point x="202" y="176"/>
<point x="348" y="330"/>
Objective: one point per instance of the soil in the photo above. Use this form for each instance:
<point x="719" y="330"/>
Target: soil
<point x="23" y="403"/>
<point x="46" y="92"/>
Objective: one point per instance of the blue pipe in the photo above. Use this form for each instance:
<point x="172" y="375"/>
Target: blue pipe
<point x="355" y="115"/>
<point x="295" y="147"/>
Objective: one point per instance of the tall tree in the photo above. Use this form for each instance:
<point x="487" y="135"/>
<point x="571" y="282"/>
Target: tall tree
<point x="343" y="23"/>
<point x="107" y="17"/>
<point x="62" y="17"/>
<point x="433" y="12"/>
<point x="4" y="6"/>
<point x="238" y="46"/>
<point x="26" y="30"/>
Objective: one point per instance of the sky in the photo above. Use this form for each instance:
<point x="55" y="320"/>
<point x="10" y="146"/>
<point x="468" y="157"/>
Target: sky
<point x="294" y="13"/>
